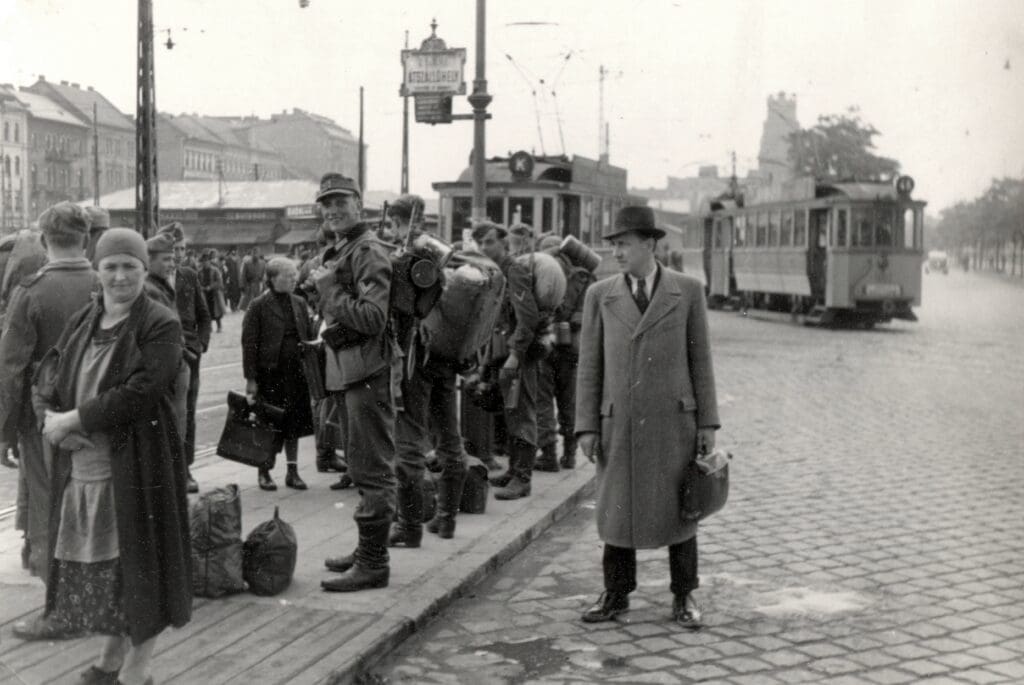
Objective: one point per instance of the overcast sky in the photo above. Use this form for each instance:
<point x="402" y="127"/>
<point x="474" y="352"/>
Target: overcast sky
<point x="688" y="82"/>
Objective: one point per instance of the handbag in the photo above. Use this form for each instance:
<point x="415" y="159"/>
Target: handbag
<point x="250" y="433"/>
<point x="705" y="487"/>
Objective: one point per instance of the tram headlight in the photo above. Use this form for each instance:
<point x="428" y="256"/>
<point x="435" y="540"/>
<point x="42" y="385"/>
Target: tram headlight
<point x="904" y="185"/>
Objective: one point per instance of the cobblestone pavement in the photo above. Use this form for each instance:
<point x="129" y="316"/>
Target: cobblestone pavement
<point x="874" y="531"/>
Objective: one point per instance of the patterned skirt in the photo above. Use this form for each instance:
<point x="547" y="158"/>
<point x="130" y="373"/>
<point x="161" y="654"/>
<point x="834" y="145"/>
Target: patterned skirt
<point x="89" y="597"/>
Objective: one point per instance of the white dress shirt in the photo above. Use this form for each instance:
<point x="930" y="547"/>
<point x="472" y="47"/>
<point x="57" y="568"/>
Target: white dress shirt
<point x="648" y="282"/>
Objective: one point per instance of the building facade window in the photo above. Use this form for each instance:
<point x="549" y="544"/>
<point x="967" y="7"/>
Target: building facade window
<point x="7" y="131"/>
<point x="17" y="166"/>
<point x="17" y="132"/>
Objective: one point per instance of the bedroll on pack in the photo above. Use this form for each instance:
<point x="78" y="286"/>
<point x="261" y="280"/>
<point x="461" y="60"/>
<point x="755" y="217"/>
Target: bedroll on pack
<point x="268" y="557"/>
<point x="462" y="321"/>
<point x="215" y="525"/>
<point x="548" y="278"/>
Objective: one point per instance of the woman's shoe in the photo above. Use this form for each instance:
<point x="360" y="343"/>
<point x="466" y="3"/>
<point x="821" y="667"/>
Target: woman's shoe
<point x="294" y="481"/>
<point x="266" y="482"/>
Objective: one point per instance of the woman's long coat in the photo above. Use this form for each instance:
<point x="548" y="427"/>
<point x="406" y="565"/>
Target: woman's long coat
<point x="134" y="409"/>
<point x="645" y="383"/>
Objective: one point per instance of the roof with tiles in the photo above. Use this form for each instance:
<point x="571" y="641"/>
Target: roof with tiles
<point x="82" y="100"/>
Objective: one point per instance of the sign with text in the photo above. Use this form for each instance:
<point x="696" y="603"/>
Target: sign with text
<point x="433" y="109"/>
<point x="436" y="72"/>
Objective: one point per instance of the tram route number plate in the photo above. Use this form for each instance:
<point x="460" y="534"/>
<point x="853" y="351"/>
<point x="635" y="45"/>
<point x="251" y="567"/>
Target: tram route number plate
<point x="882" y="289"/>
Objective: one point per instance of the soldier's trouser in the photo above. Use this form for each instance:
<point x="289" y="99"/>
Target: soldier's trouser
<point x="620" y="568"/>
<point x="430" y="416"/>
<point x="368" y="420"/>
<point x="521" y="423"/>
<point x="34" y="486"/>
<point x="190" y="410"/>
<point x="328" y="429"/>
<point x="556" y="386"/>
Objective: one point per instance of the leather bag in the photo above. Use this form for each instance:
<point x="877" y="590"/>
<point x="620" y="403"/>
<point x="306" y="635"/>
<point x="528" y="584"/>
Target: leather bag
<point x="268" y="557"/>
<point x="250" y="435"/>
<point x="705" y="488"/>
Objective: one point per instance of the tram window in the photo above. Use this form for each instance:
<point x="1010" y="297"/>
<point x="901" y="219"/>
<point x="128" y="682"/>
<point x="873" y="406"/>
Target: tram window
<point x="862" y="227"/>
<point x="907" y="228"/>
<point x="520" y="210"/>
<point x="496" y="209"/>
<point x="883" y="226"/>
<point x="762" y="229"/>
<point x="547" y="212"/>
<point x="462" y="211"/>
<point x="773" y="229"/>
<point x="739" y="238"/>
<point x="800" y="228"/>
<point x="786" y="232"/>
<point x="840" y="235"/>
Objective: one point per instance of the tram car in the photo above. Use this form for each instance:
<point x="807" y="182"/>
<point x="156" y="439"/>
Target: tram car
<point x="565" y="196"/>
<point x="850" y="253"/>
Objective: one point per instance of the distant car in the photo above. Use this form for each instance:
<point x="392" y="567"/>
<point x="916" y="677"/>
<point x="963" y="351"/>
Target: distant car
<point x="938" y="260"/>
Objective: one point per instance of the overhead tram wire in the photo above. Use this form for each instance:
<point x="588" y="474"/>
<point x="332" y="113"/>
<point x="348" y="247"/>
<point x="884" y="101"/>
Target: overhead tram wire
<point x="554" y="98"/>
<point x="536" y="105"/>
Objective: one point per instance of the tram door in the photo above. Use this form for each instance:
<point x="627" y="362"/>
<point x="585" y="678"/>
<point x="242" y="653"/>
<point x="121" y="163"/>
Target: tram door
<point x="817" y="252"/>
<point x="570" y="215"/>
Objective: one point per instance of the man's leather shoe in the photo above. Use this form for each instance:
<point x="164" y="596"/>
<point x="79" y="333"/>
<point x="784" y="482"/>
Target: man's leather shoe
<point x="191" y="486"/>
<point x="266" y="482"/>
<point x="344" y="482"/>
<point x="685" y="611"/>
<point x="340" y="564"/>
<point x="500" y="481"/>
<point x="404" y="537"/>
<point x="357" y="578"/>
<point x="295" y="482"/>
<point x="514" y="490"/>
<point x="547" y="461"/>
<point x="97" y="676"/>
<point x="40" y="628"/>
<point x="608" y="606"/>
<point x="568" y="460"/>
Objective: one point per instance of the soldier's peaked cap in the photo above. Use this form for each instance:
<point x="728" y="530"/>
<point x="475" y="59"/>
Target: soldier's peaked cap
<point x="334" y="183"/>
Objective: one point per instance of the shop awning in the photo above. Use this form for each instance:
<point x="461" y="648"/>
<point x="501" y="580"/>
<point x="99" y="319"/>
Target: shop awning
<point x="297" y="236"/>
<point x="230" y="233"/>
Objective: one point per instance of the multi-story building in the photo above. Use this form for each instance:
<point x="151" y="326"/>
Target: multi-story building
<point x="13" y="160"/>
<point x="116" y="132"/>
<point x="193" y="147"/>
<point x="310" y="144"/>
<point x="58" y="153"/>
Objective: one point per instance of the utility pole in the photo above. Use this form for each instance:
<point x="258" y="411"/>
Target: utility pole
<point x="479" y="100"/>
<point x="600" y="109"/>
<point x="405" y="134"/>
<point x="95" y="158"/>
<point x="147" y="191"/>
<point x="362" y="169"/>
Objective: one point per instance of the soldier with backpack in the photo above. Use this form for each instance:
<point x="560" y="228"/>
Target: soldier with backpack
<point x="556" y="376"/>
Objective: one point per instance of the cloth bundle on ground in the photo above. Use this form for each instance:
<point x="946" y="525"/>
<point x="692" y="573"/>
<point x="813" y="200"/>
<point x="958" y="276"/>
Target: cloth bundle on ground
<point x="215" y="523"/>
<point x="269" y="555"/>
<point x="462" y="320"/>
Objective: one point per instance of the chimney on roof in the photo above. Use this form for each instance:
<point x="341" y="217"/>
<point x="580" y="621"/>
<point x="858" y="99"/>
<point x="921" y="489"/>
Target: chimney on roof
<point x="41" y="77"/>
<point x="63" y="83"/>
<point x="76" y="86"/>
<point x="89" y="88"/>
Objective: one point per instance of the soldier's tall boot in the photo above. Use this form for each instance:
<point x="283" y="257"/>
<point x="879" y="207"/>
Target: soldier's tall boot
<point x="449" y="496"/>
<point x="568" y="460"/>
<point x="370" y="568"/>
<point x="523" y="455"/>
<point x="407" y="531"/>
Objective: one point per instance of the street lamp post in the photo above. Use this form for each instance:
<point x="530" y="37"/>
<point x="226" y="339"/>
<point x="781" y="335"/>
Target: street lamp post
<point x="479" y="99"/>
<point x="147" y="193"/>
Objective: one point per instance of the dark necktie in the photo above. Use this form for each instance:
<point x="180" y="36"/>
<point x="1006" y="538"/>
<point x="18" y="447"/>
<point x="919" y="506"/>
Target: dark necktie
<point x="641" y="296"/>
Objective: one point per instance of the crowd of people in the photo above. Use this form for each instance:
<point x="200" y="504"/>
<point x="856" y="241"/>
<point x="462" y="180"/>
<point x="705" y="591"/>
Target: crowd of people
<point x="101" y="354"/>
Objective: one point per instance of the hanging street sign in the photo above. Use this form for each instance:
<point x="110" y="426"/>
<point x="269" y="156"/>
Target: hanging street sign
<point x="433" y="109"/>
<point x="435" y="72"/>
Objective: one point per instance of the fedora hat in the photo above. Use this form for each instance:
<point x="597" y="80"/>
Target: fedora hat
<point x="635" y="219"/>
<point x="334" y="183"/>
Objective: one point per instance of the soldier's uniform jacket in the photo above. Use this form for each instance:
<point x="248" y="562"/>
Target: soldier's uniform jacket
<point x="40" y="307"/>
<point x="192" y="310"/>
<point x="520" y="316"/>
<point x="355" y="295"/>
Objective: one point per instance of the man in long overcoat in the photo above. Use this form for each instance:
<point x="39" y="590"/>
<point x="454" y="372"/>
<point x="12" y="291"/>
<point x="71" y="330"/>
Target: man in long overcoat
<point x="645" y="405"/>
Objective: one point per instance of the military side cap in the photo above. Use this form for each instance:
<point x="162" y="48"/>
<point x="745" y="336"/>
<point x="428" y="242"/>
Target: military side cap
<point x="174" y="229"/>
<point x="334" y="183"/>
<point x="99" y="218"/>
<point x="635" y="219"/>
<point x="161" y="242"/>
